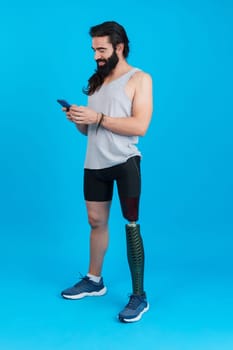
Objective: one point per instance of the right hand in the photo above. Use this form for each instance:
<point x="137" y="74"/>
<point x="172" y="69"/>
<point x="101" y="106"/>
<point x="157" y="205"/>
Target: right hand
<point x="69" y="114"/>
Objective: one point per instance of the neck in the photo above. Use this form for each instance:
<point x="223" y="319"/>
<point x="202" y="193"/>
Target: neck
<point x="121" y="68"/>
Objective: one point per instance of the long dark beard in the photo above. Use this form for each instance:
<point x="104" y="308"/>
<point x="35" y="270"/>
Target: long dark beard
<point x="109" y="65"/>
<point x="97" y="79"/>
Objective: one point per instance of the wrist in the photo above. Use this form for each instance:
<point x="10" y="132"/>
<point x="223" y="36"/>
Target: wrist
<point x="98" y="117"/>
<point x="100" y="120"/>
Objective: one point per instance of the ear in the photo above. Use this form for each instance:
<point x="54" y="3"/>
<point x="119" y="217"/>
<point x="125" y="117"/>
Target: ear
<point x="120" y="48"/>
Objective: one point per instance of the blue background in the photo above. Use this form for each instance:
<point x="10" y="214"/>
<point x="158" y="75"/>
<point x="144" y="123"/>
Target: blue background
<point x="187" y="200"/>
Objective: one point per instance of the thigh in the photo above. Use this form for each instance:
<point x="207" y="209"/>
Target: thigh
<point x="96" y="187"/>
<point x="129" y="178"/>
<point x="129" y="188"/>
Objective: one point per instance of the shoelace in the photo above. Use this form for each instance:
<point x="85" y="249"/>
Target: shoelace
<point x="82" y="278"/>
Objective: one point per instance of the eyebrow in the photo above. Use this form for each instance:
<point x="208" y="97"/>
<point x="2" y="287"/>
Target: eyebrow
<point x="99" y="48"/>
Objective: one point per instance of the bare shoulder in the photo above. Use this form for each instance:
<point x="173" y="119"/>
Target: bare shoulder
<point x="140" y="77"/>
<point x="140" y="74"/>
<point x="140" y="83"/>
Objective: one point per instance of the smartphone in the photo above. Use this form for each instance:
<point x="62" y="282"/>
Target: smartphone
<point x="65" y="104"/>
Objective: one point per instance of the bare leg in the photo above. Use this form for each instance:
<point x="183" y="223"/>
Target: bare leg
<point x="98" y="214"/>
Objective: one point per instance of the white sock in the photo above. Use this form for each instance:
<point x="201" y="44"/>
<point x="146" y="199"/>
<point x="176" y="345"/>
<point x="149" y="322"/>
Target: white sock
<point x="94" y="278"/>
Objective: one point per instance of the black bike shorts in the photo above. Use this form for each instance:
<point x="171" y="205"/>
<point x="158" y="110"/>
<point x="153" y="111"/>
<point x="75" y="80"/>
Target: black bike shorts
<point x="98" y="184"/>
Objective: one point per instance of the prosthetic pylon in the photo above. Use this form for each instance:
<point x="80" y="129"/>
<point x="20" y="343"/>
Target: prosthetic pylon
<point x="135" y="255"/>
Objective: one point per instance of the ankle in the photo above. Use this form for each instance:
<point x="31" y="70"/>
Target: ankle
<point x="94" y="278"/>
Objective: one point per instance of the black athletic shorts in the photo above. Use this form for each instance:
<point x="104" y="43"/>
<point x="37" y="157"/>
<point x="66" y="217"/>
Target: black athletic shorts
<point x="98" y="184"/>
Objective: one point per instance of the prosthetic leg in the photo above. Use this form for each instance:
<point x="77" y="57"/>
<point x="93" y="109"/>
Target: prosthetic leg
<point x="135" y="255"/>
<point x="129" y="198"/>
<point x="137" y="304"/>
<point x="135" y="249"/>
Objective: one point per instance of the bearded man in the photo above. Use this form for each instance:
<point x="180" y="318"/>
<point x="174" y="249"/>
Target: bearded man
<point x="119" y="111"/>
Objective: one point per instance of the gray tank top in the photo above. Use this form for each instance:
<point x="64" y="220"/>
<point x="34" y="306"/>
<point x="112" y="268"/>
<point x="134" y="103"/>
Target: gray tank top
<point x="105" y="148"/>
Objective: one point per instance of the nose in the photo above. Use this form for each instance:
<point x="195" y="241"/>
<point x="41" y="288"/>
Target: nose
<point x="97" y="55"/>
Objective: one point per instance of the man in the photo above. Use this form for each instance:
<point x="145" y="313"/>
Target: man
<point x="119" y="111"/>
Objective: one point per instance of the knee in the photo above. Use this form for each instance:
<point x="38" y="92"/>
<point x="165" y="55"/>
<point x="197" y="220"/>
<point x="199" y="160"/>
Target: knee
<point x="95" y="220"/>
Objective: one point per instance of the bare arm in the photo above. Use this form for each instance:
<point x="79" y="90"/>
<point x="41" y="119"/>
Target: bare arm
<point x="139" y="122"/>
<point x="82" y="128"/>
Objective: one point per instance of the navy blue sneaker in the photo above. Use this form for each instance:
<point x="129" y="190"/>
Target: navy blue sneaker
<point x="135" y="308"/>
<point x="86" y="287"/>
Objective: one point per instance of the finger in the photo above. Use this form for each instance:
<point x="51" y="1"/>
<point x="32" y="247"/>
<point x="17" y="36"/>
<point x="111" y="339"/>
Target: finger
<point x="81" y="109"/>
<point x="74" y="108"/>
<point x="78" y="119"/>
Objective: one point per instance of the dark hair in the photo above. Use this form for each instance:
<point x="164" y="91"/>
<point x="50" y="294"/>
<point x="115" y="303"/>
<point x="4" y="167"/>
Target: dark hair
<point x="117" y="35"/>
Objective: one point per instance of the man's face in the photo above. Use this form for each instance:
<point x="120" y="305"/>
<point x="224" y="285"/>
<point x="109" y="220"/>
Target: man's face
<point x="105" y="56"/>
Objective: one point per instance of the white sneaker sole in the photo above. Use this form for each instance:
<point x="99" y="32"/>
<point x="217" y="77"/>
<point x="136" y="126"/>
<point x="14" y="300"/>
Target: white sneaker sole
<point x="85" y="294"/>
<point x="135" y="319"/>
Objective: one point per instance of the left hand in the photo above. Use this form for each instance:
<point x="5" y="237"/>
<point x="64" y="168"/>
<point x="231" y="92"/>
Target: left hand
<point x="83" y="115"/>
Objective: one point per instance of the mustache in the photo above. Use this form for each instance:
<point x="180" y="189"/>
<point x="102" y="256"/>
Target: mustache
<point x="101" y="60"/>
